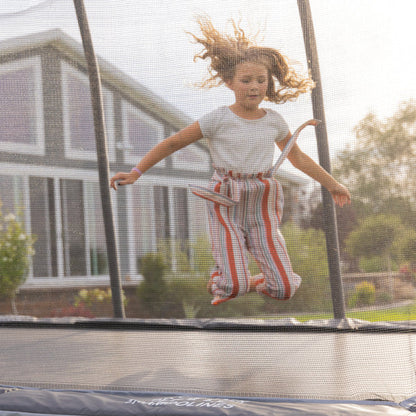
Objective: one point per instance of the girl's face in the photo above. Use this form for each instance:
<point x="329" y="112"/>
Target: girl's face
<point x="249" y="84"/>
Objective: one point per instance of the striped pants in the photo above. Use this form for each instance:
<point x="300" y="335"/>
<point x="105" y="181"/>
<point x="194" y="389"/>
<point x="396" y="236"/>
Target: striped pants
<point x="250" y="226"/>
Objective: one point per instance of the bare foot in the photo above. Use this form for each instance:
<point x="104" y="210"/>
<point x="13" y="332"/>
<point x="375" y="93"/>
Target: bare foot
<point x="254" y="281"/>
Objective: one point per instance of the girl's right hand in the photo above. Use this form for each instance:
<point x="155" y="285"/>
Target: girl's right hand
<point x="123" y="178"/>
<point x="340" y="195"/>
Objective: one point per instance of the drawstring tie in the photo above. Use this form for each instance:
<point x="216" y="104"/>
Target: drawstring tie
<point x="231" y="191"/>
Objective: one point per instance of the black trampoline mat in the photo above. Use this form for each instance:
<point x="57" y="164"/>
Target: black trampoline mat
<point x="299" y="365"/>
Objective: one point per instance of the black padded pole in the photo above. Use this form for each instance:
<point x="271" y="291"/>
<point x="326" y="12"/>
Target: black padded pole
<point x="331" y="230"/>
<point x="102" y="158"/>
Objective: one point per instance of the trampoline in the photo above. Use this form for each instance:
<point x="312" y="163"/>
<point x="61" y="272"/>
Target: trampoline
<point x="172" y="355"/>
<point x="203" y="367"/>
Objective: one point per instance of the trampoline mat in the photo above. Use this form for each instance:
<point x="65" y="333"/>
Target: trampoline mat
<point x="295" y="365"/>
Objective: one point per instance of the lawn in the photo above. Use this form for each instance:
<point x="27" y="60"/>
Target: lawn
<point x="402" y="313"/>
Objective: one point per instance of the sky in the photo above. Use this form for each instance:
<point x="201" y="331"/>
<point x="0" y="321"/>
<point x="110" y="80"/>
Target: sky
<point x="366" y="48"/>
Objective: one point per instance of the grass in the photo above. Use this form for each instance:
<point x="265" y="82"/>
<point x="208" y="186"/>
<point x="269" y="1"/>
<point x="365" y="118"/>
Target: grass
<point x="402" y="313"/>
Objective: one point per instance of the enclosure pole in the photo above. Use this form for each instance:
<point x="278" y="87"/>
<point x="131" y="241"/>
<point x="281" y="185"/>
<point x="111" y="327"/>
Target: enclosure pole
<point x="102" y="159"/>
<point x="330" y="221"/>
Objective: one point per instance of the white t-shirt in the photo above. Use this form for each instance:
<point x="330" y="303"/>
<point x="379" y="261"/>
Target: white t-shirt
<point x="240" y="145"/>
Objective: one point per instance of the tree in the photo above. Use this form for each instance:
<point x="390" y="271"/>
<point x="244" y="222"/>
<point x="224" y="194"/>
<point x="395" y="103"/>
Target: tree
<point x="408" y="248"/>
<point x="374" y="237"/>
<point x="346" y="222"/>
<point x="379" y="170"/>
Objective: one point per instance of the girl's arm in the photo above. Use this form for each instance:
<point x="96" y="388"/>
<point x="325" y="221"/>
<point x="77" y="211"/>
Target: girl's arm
<point x="162" y="150"/>
<point x="304" y="163"/>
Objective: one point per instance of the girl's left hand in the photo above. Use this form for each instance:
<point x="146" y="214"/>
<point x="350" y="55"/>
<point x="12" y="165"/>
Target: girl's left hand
<point x="123" y="178"/>
<point x="341" y="195"/>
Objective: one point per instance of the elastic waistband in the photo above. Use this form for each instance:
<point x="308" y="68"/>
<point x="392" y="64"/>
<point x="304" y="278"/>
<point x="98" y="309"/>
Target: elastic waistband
<point x="236" y="175"/>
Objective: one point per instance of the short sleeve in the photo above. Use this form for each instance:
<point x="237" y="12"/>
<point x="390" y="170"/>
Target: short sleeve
<point x="209" y="122"/>
<point x="282" y="127"/>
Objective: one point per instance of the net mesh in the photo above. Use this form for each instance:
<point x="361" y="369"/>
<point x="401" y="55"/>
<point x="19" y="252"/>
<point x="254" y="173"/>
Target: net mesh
<point x="53" y="258"/>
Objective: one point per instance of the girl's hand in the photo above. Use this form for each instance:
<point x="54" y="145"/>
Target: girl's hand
<point x="123" y="178"/>
<point x="340" y="194"/>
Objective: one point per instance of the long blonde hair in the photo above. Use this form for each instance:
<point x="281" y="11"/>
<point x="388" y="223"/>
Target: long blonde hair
<point x="227" y="51"/>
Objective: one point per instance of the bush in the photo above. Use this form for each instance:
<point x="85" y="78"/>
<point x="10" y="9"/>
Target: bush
<point x="409" y="248"/>
<point x="372" y="264"/>
<point x="91" y="297"/>
<point x="191" y="299"/>
<point x="183" y="293"/>
<point x="80" y="310"/>
<point x="364" y="295"/>
<point x="152" y="292"/>
<point x="307" y="253"/>
<point x="384" y="298"/>
<point x="16" y="248"/>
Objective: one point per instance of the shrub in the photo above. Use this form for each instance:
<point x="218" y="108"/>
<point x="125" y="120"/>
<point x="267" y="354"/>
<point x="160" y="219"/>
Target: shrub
<point x="16" y="248"/>
<point x="409" y="248"/>
<point x="307" y="253"/>
<point x="189" y="298"/>
<point x="80" y="310"/>
<point x="90" y="297"/>
<point x="373" y="264"/>
<point x="364" y="295"/>
<point x="152" y="292"/>
<point x="384" y="297"/>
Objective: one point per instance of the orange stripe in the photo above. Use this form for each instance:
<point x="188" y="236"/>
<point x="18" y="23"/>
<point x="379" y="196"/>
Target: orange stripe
<point x="269" y="236"/>
<point x="230" y="251"/>
<point x="277" y="201"/>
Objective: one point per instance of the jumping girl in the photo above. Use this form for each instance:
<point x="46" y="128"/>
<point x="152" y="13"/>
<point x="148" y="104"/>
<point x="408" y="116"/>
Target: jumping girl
<point x="241" y="140"/>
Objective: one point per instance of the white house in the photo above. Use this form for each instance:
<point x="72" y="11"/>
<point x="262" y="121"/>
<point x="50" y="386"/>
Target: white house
<point x="48" y="166"/>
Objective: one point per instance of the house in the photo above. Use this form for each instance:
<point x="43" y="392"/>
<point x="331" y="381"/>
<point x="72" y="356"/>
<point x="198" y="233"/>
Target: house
<point x="48" y="164"/>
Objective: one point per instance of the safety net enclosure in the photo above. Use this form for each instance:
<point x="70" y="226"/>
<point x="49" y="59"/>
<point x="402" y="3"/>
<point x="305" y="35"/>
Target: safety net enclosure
<point x="104" y="307"/>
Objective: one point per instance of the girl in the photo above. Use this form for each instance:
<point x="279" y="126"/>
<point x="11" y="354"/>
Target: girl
<point x="241" y="140"/>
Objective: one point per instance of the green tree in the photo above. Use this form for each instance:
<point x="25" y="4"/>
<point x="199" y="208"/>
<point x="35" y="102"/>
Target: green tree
<point x="379" y="170"/>
<point x="346" y="222"/>
<point x="408" y="248"/>
<point x="374" y="238"/>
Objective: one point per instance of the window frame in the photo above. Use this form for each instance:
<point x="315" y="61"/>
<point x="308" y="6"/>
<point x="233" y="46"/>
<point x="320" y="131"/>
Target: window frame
<point x="126" y="108"/>
<point x="71" y="153"/>
<point x="57" y="174"/>
<point x="39" y="147"/>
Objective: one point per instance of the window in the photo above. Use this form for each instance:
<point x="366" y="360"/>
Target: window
<point x="11" y="195"/>
<point x="160" y="215"/>
<point x="66" y="218"/>
<point x="73" y="228"/>
<point x="181" y="214"/>
<point x="21" y="107"/>
<point x="78" y="116"/>
<point x="43" y="223"/>
<point x="96" y="240"/>
<point x="142" y="216"/>
<point x="140" y="133"/>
